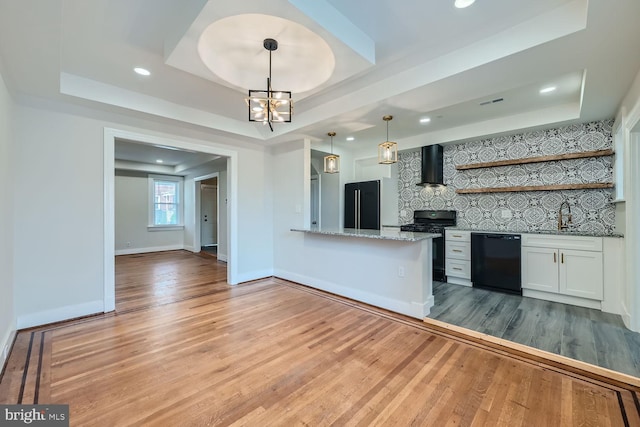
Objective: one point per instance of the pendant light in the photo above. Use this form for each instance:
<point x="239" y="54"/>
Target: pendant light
<point x="388" y="150"/>
<point x="270" y="106"/>
<point x="332" y="161"/>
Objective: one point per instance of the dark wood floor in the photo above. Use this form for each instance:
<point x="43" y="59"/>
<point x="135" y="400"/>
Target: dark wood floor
<point x="580" y="333"/>
<point x="275" y="353"/>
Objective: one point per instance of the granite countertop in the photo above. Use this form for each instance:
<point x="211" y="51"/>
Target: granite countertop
<point x="405" y="236"/>
<point x="551" y="232"/>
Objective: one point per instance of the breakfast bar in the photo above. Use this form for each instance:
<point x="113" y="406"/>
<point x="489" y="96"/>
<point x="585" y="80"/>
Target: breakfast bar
<point x="387" y="268"/>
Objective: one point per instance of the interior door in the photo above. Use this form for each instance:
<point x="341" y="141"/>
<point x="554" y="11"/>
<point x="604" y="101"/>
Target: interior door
<point x="208" y="215"/>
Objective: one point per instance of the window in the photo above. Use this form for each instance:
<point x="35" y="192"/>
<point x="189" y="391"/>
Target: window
<point x="165" y="201"/>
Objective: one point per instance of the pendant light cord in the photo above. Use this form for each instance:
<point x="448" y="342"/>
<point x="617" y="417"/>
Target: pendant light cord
<point x="269" y="94"/>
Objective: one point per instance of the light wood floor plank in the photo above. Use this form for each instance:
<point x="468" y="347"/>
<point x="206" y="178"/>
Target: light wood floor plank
<point x="275" y="353"/>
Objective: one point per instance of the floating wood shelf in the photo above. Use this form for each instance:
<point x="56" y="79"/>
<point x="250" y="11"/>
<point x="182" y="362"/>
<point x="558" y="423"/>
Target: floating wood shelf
<point x="535" y="188"/>
<point x="540" y="159"/>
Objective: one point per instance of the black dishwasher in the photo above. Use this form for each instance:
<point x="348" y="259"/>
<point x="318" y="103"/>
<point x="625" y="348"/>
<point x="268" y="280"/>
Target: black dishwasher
<point x="495" y="262"/>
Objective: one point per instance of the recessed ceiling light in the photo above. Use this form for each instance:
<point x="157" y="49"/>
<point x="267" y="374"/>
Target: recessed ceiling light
<point x="350" y="138"/>
<point x="159" y="161"/>
<point x="142" y="71"/>
<point x="548" y="89"/>
<point x="425" y="120"/>
<point x="461" y="4"/>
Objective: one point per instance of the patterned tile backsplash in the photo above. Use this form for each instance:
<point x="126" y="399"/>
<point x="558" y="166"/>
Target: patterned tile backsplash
<point x="592" y="210"/>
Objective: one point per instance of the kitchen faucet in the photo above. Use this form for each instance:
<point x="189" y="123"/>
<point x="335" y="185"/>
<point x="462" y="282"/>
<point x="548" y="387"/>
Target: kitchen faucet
<point x="563" y="225"/>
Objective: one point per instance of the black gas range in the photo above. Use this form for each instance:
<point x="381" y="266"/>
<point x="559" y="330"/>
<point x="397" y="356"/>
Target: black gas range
<point x="426" y="221"/>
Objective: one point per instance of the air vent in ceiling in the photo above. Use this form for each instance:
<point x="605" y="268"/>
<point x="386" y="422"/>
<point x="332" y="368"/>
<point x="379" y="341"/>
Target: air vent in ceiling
<point x="493" y="101"/>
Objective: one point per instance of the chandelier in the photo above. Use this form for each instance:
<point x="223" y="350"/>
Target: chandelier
<point x="270" y="106"/>
<point x="332" y="161"/>
<point x="388" y="150"/>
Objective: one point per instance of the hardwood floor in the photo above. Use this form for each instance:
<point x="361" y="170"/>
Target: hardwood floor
<point x="275" y="353"/>
<point x="146" y="280"/>
<point x="579" y="333"/>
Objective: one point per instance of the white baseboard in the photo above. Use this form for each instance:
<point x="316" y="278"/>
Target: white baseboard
<point x="5" y="346"/>
<point x="131" y="251"/>
<point x="60" y="314"/>
<point x="459" y="281"/>
<point x="416" y="309"/>
<point x="254" y="275"/>
<point x="565" y="299"/>
<point x="190" y="249"/>
<point x="223" y="257"/>
<point x="626" y="317"/>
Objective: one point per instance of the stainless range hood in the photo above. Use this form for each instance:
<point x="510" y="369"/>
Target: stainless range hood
<point x="431" y="173"/>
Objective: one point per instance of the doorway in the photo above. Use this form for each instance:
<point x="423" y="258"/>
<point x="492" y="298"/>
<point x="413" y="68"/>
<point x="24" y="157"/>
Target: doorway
<point x="230" y="159"/>
<point x="315" y="201"/>
<point x="209" y="216"/>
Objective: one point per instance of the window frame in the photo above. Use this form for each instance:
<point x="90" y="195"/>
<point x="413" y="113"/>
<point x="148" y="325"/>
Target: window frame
<point x="179" y="180"/>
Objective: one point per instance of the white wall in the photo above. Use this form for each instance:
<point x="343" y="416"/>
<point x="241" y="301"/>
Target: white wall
<point x="223" y="217"/>
<point x="255" y="216"/>
<point x="292" y="168"/>
<point x="7" y="316"/>
<point x="629" y="118"/>
<point x="326" y="262"/>
<point x="330" y="212"/>
<point x="330" y="194"/>
<point x="59" y="205"/>
<point x="132" y="218"/>
<point x="192" y="209"/>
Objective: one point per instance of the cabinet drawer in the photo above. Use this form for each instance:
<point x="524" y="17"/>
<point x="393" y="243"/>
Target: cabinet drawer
<point x="457" y="250"/>
<point x="455" y="235"/>
<point x="458" y="268"/>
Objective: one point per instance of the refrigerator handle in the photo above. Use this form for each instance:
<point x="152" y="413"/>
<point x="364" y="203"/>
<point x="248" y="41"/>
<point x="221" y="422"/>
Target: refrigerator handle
<point x="355" y="209"/>
<point x="358" y="209"/>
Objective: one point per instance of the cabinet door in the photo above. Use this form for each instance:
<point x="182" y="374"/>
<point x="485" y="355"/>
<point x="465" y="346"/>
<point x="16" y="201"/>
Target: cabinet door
<point x="540" y="269"/>
<point x="581" y="274"/>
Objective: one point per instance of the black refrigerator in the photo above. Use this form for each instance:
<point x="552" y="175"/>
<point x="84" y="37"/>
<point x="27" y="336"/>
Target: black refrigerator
<point x="362" y="205"/>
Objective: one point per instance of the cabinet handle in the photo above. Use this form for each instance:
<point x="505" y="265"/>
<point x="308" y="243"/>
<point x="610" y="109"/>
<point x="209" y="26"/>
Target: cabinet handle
<point x="554" y="257"/>
<point x="456" y="250"/>
<point x="456" y="268"/>
<point x="456" y="235"/>
<point x="562" y="258"/>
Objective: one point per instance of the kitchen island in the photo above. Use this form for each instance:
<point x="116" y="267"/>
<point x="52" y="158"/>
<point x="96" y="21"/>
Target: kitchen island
<point x="387" y="268"/>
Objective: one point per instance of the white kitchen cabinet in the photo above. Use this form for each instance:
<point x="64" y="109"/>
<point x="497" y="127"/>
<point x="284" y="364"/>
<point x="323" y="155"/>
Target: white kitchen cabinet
<point x="581" y="274"/>
<point x="458" y="257"/>
<point x="540" y="269"/>
<point x="557" y="268"/>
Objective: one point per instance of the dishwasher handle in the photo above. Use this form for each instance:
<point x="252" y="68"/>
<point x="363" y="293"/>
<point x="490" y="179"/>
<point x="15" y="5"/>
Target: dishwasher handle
<point x="499" y="236"/>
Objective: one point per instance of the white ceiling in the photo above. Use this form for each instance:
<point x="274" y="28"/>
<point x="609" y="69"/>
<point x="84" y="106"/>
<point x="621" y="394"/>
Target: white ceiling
<point x="410" y="59"/>
<point x="133" y="151"/>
